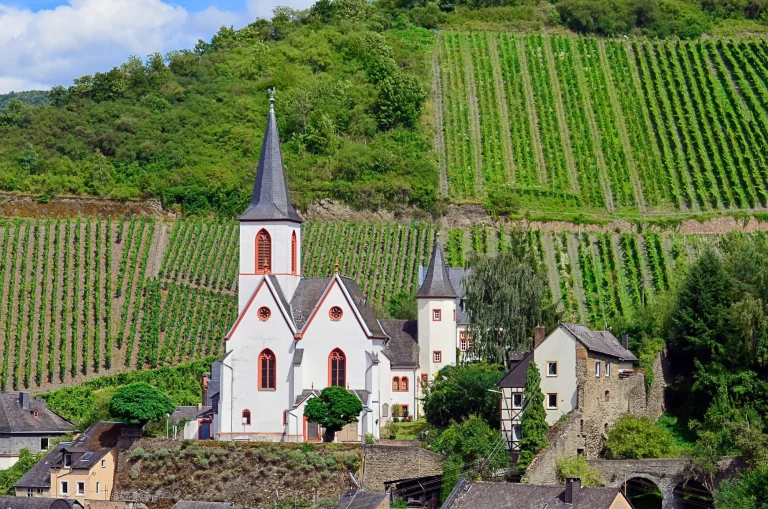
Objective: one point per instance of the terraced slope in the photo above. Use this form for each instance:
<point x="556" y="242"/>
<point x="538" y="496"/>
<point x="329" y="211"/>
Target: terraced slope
<point x="82" y="298"/>
<point x="584" y="124"/>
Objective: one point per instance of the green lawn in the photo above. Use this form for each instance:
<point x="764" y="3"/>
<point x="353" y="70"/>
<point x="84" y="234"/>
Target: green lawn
<point x="408" y="430"/>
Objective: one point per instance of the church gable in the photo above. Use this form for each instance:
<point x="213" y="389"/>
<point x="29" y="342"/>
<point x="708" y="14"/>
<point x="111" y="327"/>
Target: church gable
<point x="265" y="310"/>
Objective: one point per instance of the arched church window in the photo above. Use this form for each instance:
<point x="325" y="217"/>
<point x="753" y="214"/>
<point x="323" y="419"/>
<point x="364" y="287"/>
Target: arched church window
<point x="404" y="383"/>
<point x="395" y="384"/>
<point x="263" y="252"/>
<point x="246" y="417"/>
<point x="293" y="253"/>
<point x="264" y="313"/>
<point x="267" y="370"/>
<point x="336" y="313"/>
<point x="337" y="364"/>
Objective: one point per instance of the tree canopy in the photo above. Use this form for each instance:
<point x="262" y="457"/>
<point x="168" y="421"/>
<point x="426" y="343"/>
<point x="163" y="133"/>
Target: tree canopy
<point x="460" y="391"/>
<point x="333" y="409"/>
<point x="637" y="438"/>
<point x="139" y="403"/>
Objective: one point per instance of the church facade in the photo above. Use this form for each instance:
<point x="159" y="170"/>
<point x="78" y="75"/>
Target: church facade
<point x="296" y="335"/>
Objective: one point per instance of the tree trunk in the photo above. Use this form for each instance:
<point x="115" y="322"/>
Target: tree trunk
<point x="329" y="434"/>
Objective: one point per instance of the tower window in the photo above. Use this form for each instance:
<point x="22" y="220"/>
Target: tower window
<point x="437" y="356"/>
<point x="337" y="364"/>
<point x="267" y="365"/>
<point x="293" y="253"/>
<point x="263" y="252"/>
<point x="437" y="315"/>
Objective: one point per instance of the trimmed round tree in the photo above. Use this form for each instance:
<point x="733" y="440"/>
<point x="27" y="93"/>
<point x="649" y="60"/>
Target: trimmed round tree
<point x="333" y="409"/>
<point x="533" y="422"/>
<point x="139" y="403"/>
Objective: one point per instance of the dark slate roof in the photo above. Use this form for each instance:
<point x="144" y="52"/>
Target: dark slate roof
<point x="39" y="476"/>
<point x="437" y="282"/>
<point x="500" y="495"/>
<point x="362" y="394"/>
<point x="361" y="303"/>
<point x="298" y="356"/>
<point x="270" y="199"/>
<point x="38" y="503"/>
<point x="402" y="348"/>
<point x="306" y="297"/>
<point x="16" y="419"/>
<point x="88" y="449"/>
<point x="599" y="341"/>
<point x="191" y="504"/>
<point x="515" y="378"/>
<point x="456" y="275"/>
<point x="361" y="500"/>
<point x="304" y="395"/>
<point x="188" y="412"/>
<point x="279" y="291"/>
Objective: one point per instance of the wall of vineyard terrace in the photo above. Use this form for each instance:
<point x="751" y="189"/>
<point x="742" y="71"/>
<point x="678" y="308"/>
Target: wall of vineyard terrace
<point x="85" y="297"/>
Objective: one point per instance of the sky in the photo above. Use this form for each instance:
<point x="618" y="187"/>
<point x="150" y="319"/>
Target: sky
<point x="50" y="42"/>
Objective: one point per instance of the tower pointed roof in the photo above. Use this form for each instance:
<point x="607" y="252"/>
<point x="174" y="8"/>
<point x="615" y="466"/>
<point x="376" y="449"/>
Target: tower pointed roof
<point x="437" y="282"/>
<point x="270" y="200"/>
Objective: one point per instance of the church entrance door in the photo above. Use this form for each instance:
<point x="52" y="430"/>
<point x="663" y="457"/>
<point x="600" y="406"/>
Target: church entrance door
<point x="348" y="433"/>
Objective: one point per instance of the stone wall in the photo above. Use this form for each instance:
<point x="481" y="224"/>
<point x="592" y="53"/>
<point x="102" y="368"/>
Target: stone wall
<point x="12" y="444"/>
<point x="566" y="442"/>
<point x="16" y="205"/>
<point x="388" y="463"/>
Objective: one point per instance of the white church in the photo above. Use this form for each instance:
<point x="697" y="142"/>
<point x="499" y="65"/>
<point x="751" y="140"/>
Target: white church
<point x="296" y="335"/>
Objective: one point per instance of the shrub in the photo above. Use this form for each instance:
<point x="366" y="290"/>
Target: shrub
<point x="133" y="474"/>
<point x="638" y="438"/>
<point x="578" y="467"/>
<point x="137" y="454"/>
<point x="401" y="97"/>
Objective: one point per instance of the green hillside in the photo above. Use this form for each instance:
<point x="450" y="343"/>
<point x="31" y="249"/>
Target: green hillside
<point x="83" y="297"/>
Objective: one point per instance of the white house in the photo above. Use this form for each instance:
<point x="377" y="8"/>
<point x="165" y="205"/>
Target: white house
<point x="296" y="335"/>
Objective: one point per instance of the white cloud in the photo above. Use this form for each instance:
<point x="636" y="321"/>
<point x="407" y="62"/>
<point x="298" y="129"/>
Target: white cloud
<point x="52" y="47"/>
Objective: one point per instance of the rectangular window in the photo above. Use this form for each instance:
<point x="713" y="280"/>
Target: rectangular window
<point x="551" y="368"/>
<point x="463" y="345"/>
<point x="552" y="401"/>
<point x="462" y="334"/>
<point x="516" y="433"/>
<point x="517" y="400"/>
<point x="98" y="487"/>
<point x="30" y="493"/>
<point x="103" y="463"/>
<point x="64" y="488"/>
<point x="597" y="369"/>
<point x="67" y="460"/>
<point x="44" y="443"/>
<point x="437" y="315"/>
<point x="80" y="488"/>
<point x="437" y="356"/>
<point x="404" y="410"/>
<point x="607" y="369"/>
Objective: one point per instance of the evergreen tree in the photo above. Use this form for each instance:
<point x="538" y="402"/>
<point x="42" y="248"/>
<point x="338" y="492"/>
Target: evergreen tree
<point x="534" y="419"/>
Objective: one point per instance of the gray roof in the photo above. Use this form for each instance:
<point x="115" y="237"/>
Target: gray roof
<point x="192" y="504"/>
<point x="599" y="341"/>
<point x="456" y="275"/>
<point x="362" y="394"/>
<point x="437" y="282"/>
<point x="304" y="395"/>
<point x="402" y="348"/>
<point x="515" y="377"/>
<point x="14" y="418"/>
<point x="188" y="412"/>
<point x="361" y="303"/>
<point x="500" y="495"/>
<point x="270" y="200"/>
<point x="361" y="500"/>
<point x="306" y="297"/>
<point x="298" y="356"/>
<point x="39" y="476"/>
<point x="38" y="503"/>
<point x="279" y="290"/>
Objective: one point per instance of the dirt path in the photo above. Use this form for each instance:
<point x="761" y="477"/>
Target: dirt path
<point x="621" y="126"/>
<point x="578" y="282"/>
<point x="474" y="116"/>
<point x="502" y="105"/>
<point x="552" y="271"/>
<point x="442" y="156"/>
<point x="597" y="142"/>
<point x="532" y="116"/>
<point x="649" y="289"/>
<point x="565" y="132"/>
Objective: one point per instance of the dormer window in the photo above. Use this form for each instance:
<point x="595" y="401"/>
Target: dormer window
<point x="67" y="460"/>
<point x="36" y="414"/>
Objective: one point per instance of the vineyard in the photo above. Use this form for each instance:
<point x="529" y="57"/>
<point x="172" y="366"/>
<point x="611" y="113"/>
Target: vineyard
<point x="578" y="124"/>
<point x="83" y="298"/>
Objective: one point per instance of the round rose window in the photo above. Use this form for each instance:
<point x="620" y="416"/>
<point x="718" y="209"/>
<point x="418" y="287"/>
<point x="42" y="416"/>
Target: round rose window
<point x="336" y="313"/>
<point x="264" y="313"/>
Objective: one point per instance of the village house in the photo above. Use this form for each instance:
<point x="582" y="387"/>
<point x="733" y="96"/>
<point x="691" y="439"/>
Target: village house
<point x="580" y="369"/>
<point x="296" y="335"/>
<point x="26" y="423"/>
<point x="81" y="470"/>
<point x="38" y="503"/>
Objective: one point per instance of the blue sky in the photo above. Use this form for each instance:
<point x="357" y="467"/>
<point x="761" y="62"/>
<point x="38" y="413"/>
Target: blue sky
<point x="51" y="42"/>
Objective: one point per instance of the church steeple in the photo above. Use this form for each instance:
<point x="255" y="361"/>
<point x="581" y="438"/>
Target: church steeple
<point x="436" y="281"/>
<point x="270" y="200"/>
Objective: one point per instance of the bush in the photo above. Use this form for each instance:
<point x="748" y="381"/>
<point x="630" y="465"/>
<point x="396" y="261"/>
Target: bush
<point x="401" y="97"/>
<point x="460" y="391"/>
<point x="137" y="454"/>
<point x="638" y="438"/>
<point x="139" y="403"/>
<point x="578" y="467"/>
<point x="475" y="442"/>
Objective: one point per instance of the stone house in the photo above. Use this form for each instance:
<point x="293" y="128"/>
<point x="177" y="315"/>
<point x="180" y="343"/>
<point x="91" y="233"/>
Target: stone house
<point x="80" y="470"/>
<point x="38" y="503"/>
<point x="26" y="423"/>
<point x="581" y="369"/>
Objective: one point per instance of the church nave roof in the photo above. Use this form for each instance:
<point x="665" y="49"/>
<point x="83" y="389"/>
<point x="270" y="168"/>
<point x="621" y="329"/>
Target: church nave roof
<point x="402" y="348"/>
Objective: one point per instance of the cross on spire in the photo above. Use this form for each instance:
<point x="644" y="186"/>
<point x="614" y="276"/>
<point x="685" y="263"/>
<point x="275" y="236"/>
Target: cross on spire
<point x="271" y="92"/>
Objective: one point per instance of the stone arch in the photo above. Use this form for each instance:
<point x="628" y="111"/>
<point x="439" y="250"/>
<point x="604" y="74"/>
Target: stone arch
<point x="691" y="494"/>
<point x="645" y="490"/>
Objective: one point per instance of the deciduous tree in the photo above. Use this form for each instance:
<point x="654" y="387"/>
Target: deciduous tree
<point x="139" y="403"/>
<point x="333" y="409"/>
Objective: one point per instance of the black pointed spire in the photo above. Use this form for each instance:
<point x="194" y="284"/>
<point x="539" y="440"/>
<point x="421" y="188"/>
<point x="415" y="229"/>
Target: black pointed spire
<point x="436" y="281"/>
<point x="270" y="199"/>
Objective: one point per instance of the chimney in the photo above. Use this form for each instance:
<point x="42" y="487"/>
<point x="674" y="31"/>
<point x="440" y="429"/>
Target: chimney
<point x="204" y="386"/>
<point x="571" y="484"/>
<point x="625" y="341"/>
<point x="24" y="400"/>
<point x="539" y="333"/>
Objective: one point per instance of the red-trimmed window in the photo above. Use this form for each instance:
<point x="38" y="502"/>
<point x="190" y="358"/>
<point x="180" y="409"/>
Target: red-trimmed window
<point x="404" y="383"/>
<point x="264" y="313"/>
<point x="267" y="370"/>
<point x="463" y="344"/>
<point x="285" y="417"/>
<point x="395" y="383"/>
<point x="293" y="253"/>
<point x="404" y="410"/>
<point x="437" y="315"/>
<point x="454" y="315"/>
<point x="335" y="313"/>
<point x="424" y="379"/>
<point x="437" y="356"/>
<point x="337" y="368"/>
<point x="246" y="417"/>
<point x="263" y="252"/>
<point x="35" y="414"/>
